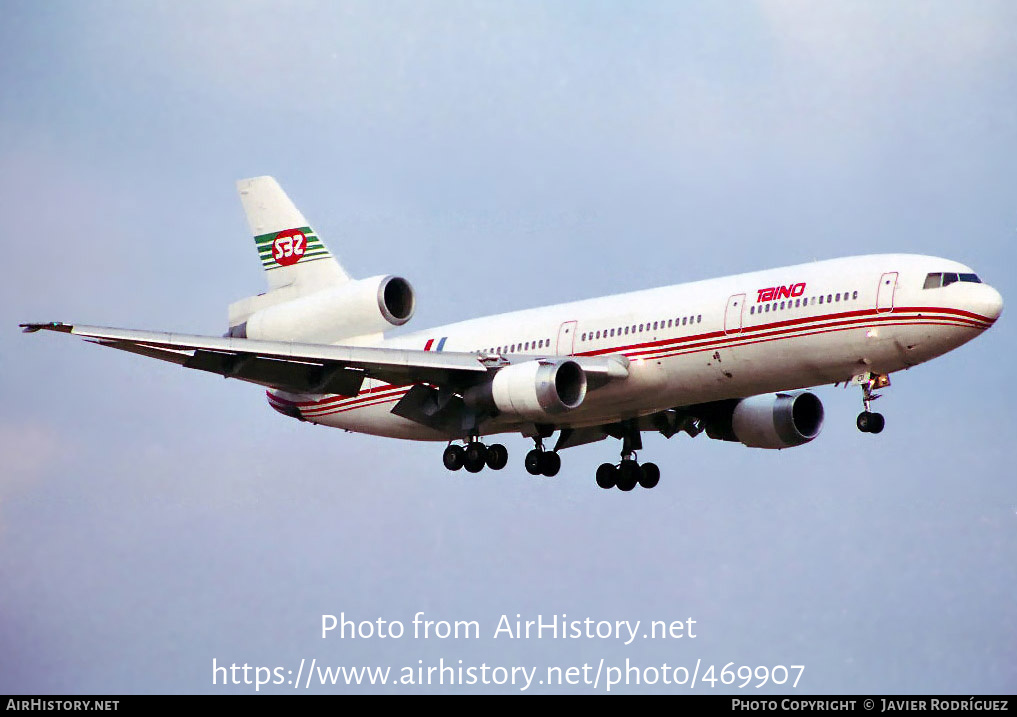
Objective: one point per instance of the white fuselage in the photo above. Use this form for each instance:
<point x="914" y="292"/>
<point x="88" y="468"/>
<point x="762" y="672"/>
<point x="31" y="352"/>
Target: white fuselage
<point x="732" y="337"/>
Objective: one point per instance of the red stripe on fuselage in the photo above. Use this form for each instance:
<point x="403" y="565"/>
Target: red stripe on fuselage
<point x="667" y="348"/>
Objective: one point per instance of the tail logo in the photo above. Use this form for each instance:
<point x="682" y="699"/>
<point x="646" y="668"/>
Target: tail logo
<point x="288" y="247"/>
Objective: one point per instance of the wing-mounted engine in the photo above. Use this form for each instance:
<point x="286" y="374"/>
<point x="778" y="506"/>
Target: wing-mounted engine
<point x="330" y="315"/>
<point x="535" y="390"/>
<point x="774" y="420"/>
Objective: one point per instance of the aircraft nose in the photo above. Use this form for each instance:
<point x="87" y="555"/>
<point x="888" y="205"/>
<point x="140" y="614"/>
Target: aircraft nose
<point x="990" y="303"/>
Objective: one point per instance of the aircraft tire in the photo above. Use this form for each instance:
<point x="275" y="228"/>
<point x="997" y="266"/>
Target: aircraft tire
<point x="453" y="457"/>
<point x="550" y="463"/>
<point x="651" y="475"/>
<point x="497" y="456"/>
<point x="870" y="422"/>
<point x="532" y="462"/>
<point x="475" y="457"/>
<point x="628" y="475"/>
<point x="606" y="476"/>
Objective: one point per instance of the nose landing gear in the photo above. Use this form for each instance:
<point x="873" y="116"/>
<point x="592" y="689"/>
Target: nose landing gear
<point x="867" y="421"/>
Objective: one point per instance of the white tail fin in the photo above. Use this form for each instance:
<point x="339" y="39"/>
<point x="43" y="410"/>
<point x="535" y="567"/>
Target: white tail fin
<point x="291" y="252"/>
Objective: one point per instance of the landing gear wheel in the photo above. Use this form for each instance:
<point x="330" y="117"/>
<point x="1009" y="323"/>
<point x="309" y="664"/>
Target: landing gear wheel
<point x="629" y="474"/>
<point x="651" y="475"/>
<point x="453" y="457"/>
<point x="497" y="456"/>
<point x="532" y="462"/>
<point x="550" y="463"/>
<point x="475" y="457"/>
<point x="870" y="422"/>
<point x="606" y="476"/>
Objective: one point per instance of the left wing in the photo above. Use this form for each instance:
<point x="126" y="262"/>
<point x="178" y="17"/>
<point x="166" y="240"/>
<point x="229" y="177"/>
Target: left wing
<point x="318" y="368"/>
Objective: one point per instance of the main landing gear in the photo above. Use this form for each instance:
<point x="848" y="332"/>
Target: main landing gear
<point x="869" y="422"/>
<point x="475" y="456"/>
<point x="542" y="463"/>
<point x="627" y="474"/>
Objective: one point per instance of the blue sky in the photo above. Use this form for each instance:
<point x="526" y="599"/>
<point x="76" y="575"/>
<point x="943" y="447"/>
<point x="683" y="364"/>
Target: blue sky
<point x="499" y="156"/>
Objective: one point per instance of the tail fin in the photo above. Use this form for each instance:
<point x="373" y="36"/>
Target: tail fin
<point x="290" y="251"/>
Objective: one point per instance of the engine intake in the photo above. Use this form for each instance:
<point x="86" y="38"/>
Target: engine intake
<point x="536" y="390"/>
<point x="355" y="308"/>
<point x="774" y="420"/>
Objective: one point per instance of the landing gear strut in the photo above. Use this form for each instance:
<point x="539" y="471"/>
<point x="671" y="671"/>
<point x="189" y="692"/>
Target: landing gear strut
<point x="869" y="422"/>
<point x="628" y="473"/>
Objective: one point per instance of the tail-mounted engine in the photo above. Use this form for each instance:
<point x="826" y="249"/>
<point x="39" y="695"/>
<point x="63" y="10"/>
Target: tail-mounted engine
<point x="354" y="308"/>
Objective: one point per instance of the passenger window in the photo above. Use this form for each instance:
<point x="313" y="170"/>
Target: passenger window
<point x="820" y="299"/>
<point x="837" y="297"/>
<point x="829" y="298"/>
<point x="782" y="306"/>
<point x="699" y="319"/>
<point x="854" y="295"/>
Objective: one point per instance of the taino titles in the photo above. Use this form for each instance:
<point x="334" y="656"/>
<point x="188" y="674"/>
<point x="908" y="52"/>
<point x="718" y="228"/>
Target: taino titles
<point x="772" y="293"/>
<point x="508" y="627"/>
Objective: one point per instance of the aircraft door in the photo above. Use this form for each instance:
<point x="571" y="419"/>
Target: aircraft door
<point x="887" y="288"/>
<point x="566" y="339"/>
<point x="733" y="314"/>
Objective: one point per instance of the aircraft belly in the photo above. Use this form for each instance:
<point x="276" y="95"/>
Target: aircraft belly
<point x="379" y="420"/>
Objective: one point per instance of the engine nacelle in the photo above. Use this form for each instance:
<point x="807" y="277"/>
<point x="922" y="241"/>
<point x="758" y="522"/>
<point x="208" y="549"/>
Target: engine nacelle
<point x="356" y="308"/>
<point x="537" y="390"/>
<point x="774" y="420"/>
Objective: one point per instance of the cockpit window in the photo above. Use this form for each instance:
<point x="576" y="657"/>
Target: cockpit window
<point x="938" y="279"/>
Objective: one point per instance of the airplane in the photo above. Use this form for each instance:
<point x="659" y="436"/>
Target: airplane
<point x="729" y="357"/>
